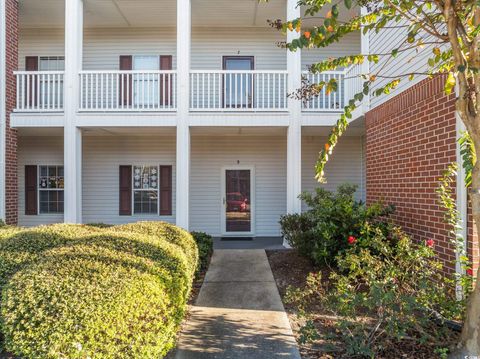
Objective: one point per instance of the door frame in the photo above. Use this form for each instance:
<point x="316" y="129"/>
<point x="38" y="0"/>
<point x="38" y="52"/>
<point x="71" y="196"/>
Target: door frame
<point x="223" y="202"/>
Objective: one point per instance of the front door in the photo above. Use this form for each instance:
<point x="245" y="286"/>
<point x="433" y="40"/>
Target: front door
<point x="238" y="202"/>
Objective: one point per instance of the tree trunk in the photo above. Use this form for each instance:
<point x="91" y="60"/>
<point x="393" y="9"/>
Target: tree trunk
<point x="469" y="346"/>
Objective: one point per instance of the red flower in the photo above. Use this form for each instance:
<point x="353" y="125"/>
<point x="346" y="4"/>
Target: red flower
<point x="306" y="34"/>
<point x="429" y="243"/>
<point x="470" y="272"/>
<point x="352" y="239"/>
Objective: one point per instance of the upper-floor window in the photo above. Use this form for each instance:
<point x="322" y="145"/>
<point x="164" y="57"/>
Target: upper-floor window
<point x="145" y="86"/>
<point x="52" y="63"/>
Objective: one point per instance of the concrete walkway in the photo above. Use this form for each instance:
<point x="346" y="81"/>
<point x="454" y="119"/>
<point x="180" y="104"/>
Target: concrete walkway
<point x="238" y="313"/>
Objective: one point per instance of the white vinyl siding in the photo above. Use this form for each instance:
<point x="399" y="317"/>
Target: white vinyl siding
<point x="346" y="165"/>
<point x="102" y="47"/>
<point x="211" y="153"/>
<point x="102" y="157"/>
<point x="349" y="45"/>
<point x="41" y="150"/>
<point x="406" y="62"/>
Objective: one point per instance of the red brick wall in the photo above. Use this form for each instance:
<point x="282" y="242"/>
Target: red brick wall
<point x="11" y="198"/>
<point x="410" y="141"/>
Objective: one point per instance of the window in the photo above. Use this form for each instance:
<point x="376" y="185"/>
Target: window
<point x="51" y="87"/>
<point x="50" y="189"/>
<point x="145" y="86"/>
<point x="52" y="63"/>
<point x="145" y="189"/>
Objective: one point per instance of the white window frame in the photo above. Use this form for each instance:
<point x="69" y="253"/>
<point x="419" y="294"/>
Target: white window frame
<point x="39" y="189"/>
<point x="145" y="190"/>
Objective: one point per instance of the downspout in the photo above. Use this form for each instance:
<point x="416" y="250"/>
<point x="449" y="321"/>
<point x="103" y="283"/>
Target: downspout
<point x="3" y="83"/>
<point x="462" y="205"/>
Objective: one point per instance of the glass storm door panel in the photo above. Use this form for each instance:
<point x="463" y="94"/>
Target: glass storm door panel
<point x="238" y="87"/>
<point x="238" y="201"/>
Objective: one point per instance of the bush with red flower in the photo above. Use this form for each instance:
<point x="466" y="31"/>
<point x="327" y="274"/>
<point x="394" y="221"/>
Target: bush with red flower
<point x="333" y="223"/>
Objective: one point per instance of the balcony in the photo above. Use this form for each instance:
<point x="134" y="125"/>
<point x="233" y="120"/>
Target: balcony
<point x="232" y="91"/>
<point x="128" y="91"/>
<point x="156" y="91"/>
<point x="40" y="91"/>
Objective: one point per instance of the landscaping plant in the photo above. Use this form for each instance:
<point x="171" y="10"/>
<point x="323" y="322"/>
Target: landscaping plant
<point x="72" y="291"/>
<point x="333" y="221"/>
<point x="385" y="292"/>
<point x="205" y="249"/>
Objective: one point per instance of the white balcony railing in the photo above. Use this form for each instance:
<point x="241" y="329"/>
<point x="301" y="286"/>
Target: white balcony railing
<point x="229" y="90"/>
<point x="334" y="101"/>
<point x="156" y="91"/>
<point x="142" y="91"/>
<point x="39" y="91"/>
<point x="353" y="81"/>
<point x="349" y="83"/>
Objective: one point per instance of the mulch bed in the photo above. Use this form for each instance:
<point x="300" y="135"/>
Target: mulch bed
<point x="290" y="269"/>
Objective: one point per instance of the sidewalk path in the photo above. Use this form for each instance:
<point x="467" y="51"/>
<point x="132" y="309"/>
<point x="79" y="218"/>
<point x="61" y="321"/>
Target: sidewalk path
<point x="238" y="313"/>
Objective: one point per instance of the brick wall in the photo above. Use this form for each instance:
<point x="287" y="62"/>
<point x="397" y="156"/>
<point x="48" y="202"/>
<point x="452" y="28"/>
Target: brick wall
<point x="11" y="198"/>
<point x="410" y="141"/>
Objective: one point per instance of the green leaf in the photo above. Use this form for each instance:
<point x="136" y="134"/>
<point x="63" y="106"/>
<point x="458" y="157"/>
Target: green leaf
<point x="348" y="4"/>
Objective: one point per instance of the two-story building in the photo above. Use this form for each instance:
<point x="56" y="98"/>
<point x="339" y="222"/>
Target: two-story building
<point x="174" y="110"/>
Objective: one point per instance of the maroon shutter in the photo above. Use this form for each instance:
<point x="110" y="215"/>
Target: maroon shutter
<point x="166" y="63"/>
<point x="126" y="64"/>
<point x="125" y="203"/>
<point x="165" y="190"/>
<point x="31" y="191"/>
<point x="31" y="64"/>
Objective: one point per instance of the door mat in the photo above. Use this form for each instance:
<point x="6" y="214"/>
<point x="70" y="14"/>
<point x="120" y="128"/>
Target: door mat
<point x="236" y="239"/>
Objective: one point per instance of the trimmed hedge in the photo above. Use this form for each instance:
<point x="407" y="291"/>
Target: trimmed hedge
<point x="205" y="249"/>
<point x="73" y="291"/>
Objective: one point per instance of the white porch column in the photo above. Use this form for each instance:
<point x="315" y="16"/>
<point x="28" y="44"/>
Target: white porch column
<point x="294" y="136"/>
<point x="3" y="120"/>
<point x="72" y="134"/>
<point x="184" y="29"/>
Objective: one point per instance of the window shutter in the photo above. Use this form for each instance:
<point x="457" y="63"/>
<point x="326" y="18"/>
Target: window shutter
<point x="166" y="85"/>
<point x="125" y="203"/>
<point x="31" y="64"/>
<point x="166" y="190"/>
<point x="126" y="85"/>
<point x="31" y="207"/>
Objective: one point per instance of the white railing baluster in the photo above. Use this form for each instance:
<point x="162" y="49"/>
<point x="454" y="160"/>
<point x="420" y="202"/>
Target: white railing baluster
<point x="127" y="91"/>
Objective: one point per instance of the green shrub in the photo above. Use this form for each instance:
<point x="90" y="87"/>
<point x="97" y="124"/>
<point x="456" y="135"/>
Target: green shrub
<point x="81" y="291"/>
<point x="383" y="293"/>
<point x="205" y="248"/>
<point x="323" y="231"/>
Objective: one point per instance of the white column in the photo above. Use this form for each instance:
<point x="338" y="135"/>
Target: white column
<point x="72" y="134"/>
<point x="294" y="136"/>
<point x="184" y="29"/>
<point x="3" y="119"/>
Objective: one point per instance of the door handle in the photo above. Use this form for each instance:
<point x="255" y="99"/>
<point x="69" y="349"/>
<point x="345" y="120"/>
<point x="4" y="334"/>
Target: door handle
<point x="224" y="201"/>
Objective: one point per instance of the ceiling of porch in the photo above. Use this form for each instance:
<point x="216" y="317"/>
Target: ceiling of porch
<point x="157" y="13"/>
